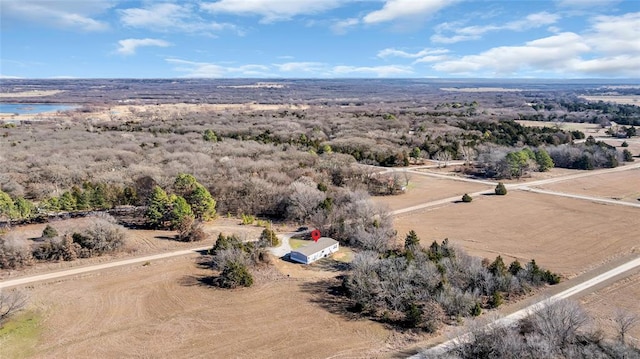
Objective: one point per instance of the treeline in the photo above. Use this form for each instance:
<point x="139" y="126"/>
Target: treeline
<point x="504" y="162"/>
<point x="88" y="197"/>
<point x="101" y="236"/>
<point x="559" y="329"/>
<point x="511" y="133"/>
<point x="622" y="114"/>
<point x="425" y="287"/>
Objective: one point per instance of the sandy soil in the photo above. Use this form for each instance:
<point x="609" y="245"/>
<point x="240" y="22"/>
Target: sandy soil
<point x="131" y="112"/>
<point x="162" y="310"/>
<point x="565" y="235"/>
<point x="479" y="89"/>
<point x="34" y="93"/>
<point x="592" y="129"/>
<point x="622" y="295"/>
<point x="624" y="186"/>
<point x="623" y="100"/>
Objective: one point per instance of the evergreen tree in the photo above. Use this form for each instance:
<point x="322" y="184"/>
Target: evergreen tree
<point x="515" y="267"/>
<point x="198" y="197"/>
<point x="24" y="208"/>
<point x="209" y="136"/>
<point x="411" y="240"/>
<point x="543" y="160"/>
<point x="7" y="207"/>
<point x="158" y="205"/>
<point x="49" y="232"/>
<point x="627" y="156"/>
<point x="180" y="212"/>
<point x="498" y="268"/>
<point x="235" y="274"/>
<point x="67" y="202"/>
<point x="501" y="190"/>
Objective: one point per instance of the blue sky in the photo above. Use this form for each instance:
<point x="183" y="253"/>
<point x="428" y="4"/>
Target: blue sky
<point x="320" y="39"/>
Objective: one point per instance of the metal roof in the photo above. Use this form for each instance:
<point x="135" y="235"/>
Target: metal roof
<point x="315" y="247"/>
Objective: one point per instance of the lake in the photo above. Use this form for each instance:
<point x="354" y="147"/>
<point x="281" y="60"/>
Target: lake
<point x="33" y="108"/>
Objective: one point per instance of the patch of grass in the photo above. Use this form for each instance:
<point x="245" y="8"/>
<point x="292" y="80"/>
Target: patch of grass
<point x="19" y="335"/>
<point x="297" y="243"/>
<point x="344" y="255"/>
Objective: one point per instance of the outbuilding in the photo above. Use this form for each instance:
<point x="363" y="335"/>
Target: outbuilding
<point x="310" y="253"/>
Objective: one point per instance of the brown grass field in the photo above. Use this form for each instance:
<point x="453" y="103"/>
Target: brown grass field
<point x="622" y="294"/>
<point x="425" y="189"/>
<point x="568" y="236"/>
<point x="162" y="310"/>
<point x="623" y="186"/>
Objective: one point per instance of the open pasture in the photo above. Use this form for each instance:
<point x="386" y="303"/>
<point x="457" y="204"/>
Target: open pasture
<point x="623" y="186"/>
<point x="565" y="235"/>
<point x="423" y="189"/>
<point x="162" y="310"/>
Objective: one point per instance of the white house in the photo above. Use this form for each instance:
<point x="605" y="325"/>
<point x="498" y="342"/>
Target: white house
<point x="310" y="253"/>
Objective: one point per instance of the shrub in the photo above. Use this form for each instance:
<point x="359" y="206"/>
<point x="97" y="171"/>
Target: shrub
<point x="627" y="156"/>
<point x="14" y="252"/>
<point x="49" y="232"/>
<point x="501" y="190"/>
<point x="466" y="198"/>
<point x="268" y="238"/>
<point x="191" y="230"/>
<point x="235" y="274"/>
<point x="412" y="315"/>
<point x="102" y="236"/>
<point x="476" y="310"/>
<point x="496" y="300"/>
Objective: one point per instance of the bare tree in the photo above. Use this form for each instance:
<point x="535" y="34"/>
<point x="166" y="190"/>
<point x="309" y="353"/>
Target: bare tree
<point x="468" y="154"/>
<point x="559" y="322"/>
<point x="10" y="303"/>
<point x="623" y="322"/>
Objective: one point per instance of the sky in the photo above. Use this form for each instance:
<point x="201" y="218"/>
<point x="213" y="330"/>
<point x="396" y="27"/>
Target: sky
<point x="558" y="39"/>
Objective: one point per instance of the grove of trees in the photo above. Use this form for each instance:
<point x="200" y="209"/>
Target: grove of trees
<point x="426" y="287"/>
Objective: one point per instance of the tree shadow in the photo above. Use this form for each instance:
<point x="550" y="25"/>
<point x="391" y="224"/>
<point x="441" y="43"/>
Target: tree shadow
<point x="166" y="238"/>
<point x="329" y="294"/>
<point x="329" y="265"/>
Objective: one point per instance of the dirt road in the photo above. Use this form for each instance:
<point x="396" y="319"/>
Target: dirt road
<point x="97" y="267"/>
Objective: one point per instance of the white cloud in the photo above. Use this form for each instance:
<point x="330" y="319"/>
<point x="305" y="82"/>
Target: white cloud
<point x="169" y="17"/>
<point x="378" y="71"/>
<point x="341" y="27"/>
<point x="586" y="3"/>
<point x="609" y="48"/>
<point x="398" y="9"/>
<point x="391" y="52"/>
<point x="9" y="77"/>
<point x="210" y="70"/>
<point x="129" y="46"/>
<point x="271" y="10"/>
<point x="551" y="54"/>
<point x="531" y="21"/>
<point x="314" y="67"/>
<point x="616" y="35"/>
<point x="64" y="13"/>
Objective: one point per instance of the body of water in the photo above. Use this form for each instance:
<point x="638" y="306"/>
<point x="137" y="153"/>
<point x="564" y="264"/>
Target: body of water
<point x="33" y="108"/>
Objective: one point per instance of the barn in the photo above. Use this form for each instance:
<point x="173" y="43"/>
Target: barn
<point x="310" y="253"/>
